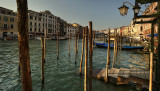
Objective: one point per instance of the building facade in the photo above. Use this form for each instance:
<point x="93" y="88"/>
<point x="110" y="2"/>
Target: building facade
<point x="38" y="23"/>
<point x="151" y="9"/>
<point x="8" y="23"/>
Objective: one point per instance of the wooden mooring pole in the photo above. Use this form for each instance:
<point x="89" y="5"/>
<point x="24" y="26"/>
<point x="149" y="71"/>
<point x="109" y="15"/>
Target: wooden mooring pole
<point x="77" y="41"/>
<point x="23" y="39"/>
<point x="151" y="72"/>
<point x="69" y="42"/>
<point x="45" y="46"/>
<point x="86" y="59"/>
<point x="120" y="40"/>
<point x="90" y="56"/>
<point x="114" y="53"/>
<point x="80" y="70"/>
<point x="95" y="38"/>
<point x="93" y="41"/>
<point x="42" y="60"/>
<point x="108" y="57"/>
<point x="75" y="44"/>
<point x="158" y="61"/>
<point x="116" y="42"/>
<point x="104" y="38"/>
<point x="57" y="46"/>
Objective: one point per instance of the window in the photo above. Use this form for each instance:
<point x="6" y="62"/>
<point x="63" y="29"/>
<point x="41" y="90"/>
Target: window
<point x="11" y="19"/>
<point x="35" y="24"/>
<point x="39" y="30"/>
<point x="31" y="23"/>
<point x="43" y="24"/>
<point x="30" y="29"/>
<point x="31" y="17"/>
<point x="39" y="19"/>
<point x="9" y="13"/>
<point x="35" y="18"/>
<point x="12" y="26"/>
<point x="35" y="29"/>
<point x="43" y="30"/>
<point x="5" y="26"/>
<point x="11" y="32"/>
<point x="141" y="29"/>
<point x="3" y="12"/>
<point x="39" y="24"/>
<point x="0" y="17"/>
<point x="5" y="18"/>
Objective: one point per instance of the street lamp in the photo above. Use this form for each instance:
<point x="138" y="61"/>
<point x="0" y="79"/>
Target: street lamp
<point x="136" y="8"/>
<point x="124" y="9"/>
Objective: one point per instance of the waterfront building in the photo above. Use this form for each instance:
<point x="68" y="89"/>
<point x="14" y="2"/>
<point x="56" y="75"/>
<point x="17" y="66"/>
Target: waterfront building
<point x="151" y="9"/>
<point x="35" y="24"/>
<point x="70" y="30"/>
<point x="8" y="23"/>
<point x="125" y="31"/>
<point x="38" y="22"/>
<point x="137" y="30"/>
<point x="79" y="29"/>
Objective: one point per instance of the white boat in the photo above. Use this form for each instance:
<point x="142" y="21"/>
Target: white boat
<point x="38" y="38"/>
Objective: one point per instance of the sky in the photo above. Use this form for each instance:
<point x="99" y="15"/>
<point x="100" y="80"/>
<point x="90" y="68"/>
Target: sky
<point x="103" y="13"/>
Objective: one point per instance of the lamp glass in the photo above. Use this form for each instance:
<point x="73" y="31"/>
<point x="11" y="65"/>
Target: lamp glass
<point x="136" y="8"/>
<point x="123" y="10"/>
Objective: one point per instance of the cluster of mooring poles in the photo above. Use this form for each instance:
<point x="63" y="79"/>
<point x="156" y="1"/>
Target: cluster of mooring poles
<point x="91" y="41"/>
<point x="117" y="47"/>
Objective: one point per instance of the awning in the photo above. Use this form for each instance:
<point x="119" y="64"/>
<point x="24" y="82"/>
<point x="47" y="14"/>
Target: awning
<point x="154" y="35"/>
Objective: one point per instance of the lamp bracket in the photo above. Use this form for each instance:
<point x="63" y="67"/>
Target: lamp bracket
<point x="129" y="3"/>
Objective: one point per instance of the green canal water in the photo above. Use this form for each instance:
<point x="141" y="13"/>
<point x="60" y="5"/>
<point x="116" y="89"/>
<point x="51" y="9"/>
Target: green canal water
<point x="61" y="75"/>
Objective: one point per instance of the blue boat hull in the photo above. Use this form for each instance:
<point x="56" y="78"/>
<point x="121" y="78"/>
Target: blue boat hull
<point x="132" y="47"/>
<point x="103" y="45"/>
<point x="123" y="47"/>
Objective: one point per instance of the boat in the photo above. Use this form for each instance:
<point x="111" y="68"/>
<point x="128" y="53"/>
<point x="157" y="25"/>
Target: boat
<point x="9" y="38"/>
<point x="123" y="47"/>
<point x="60" y="38"/>
<point x="104" y="45"/>
<point x="38" y="38"/>
<point x="132" y="47"/>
